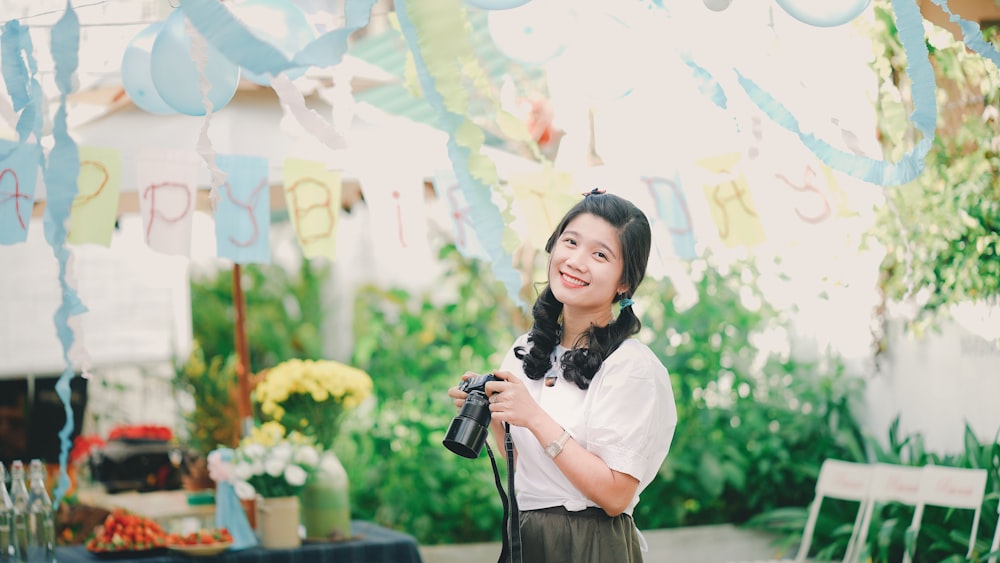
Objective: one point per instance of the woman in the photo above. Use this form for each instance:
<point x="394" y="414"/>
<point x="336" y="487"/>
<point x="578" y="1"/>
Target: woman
<point x="591" y="410"/>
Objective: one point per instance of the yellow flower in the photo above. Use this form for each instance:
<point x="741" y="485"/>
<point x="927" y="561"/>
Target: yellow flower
<point x="314" y="393"/>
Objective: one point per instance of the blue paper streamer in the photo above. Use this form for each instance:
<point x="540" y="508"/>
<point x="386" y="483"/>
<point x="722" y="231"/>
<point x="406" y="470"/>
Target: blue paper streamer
<point x="971" y="35"/>
<point x="483" y="214"/>
<point x="231" y="38"/>
<point x="706" y="83"/>
<point x="19" y="73"/>
<point x="61" y="188"/>
<point x="909" y="23"/>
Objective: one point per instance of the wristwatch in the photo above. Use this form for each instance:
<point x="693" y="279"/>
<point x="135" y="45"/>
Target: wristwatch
<point x="556" y="446"/>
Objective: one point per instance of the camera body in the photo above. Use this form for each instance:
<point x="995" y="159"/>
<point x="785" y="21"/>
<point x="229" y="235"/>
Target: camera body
<point x="477" y="383"/>
<point x="468" y="430"/>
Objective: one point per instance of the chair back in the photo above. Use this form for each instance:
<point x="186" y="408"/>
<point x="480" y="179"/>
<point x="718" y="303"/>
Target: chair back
<point x="842" y="480"/>
<point x="950" y="487"/>
<point x="996" y="538"/>
<point x="890" y="483"/>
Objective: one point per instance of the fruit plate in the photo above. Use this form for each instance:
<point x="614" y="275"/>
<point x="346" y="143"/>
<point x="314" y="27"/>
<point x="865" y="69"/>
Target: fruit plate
<point x="128" y="553"/>
<point x="201" y="550"/>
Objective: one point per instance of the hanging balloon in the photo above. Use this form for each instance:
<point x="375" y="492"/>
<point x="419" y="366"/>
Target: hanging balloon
<point x="533" y="34"/>
<point x="824" y="13"/>
<point x="280" y="23"/>
<point x="717" y="5"/>
<point x="176" y="76"/>
<point x="496" y="4"/>
<point x="135" y="74"/>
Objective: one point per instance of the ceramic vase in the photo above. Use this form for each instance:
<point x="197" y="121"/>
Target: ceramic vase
<point x="278" y="522"/>
<point x="326" y="502"/>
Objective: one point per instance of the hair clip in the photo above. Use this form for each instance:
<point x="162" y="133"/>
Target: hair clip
<point x="595" y="191"/>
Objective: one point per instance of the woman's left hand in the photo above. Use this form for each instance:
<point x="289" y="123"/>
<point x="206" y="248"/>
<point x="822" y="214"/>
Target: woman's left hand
<point x="510" y="400"/>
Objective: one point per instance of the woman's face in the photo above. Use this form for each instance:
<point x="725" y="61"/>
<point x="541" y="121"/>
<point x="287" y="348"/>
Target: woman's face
<point x="585" y="265"/>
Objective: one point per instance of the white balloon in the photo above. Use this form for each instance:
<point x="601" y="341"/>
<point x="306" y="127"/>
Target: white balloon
<point x="824" y="13"/>
<point x="717" y="5"/>
<point x="496" y="4"/>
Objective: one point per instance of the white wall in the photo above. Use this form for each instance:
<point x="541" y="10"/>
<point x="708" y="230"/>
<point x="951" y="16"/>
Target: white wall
<point x="939" y="382"/>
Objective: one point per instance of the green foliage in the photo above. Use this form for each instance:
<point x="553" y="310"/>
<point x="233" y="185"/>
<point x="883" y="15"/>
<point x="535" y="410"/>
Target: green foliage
<point x="941" y="231"/>
<point x="284" y="312"/>
<point x="284" y="317"/>
<point x="211" y="421"/>
<point x="415" y="349"/>
<point x="753" y="427"/>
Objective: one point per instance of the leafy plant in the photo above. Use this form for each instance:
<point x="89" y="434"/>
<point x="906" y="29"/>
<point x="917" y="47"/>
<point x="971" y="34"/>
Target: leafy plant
<point x="753" y="427"/>
<point x="415" y="348"/>
<point x="284" y="315"/>
<point x="284" y="312"/>
<point x="941" y="231"/>
<point x="210" y="412"/>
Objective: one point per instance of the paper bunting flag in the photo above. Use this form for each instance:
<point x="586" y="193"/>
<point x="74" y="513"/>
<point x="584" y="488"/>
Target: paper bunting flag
<point x="457" y="207"/>
<point x="243" y="210"/>
<point x="730" y="203"/>
<point x="313" y="196"/>
<point x="541" y="199"/>
<point x="734" y="213"/>
<point x="167" y="183"/>
<point x="396" y="204"/>
<point x="92" y="218"/>
<point x="673" y="211"/>
<point x="18" y="175"/>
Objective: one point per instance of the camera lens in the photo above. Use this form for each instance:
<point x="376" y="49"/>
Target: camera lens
<point x="467" y="431"/>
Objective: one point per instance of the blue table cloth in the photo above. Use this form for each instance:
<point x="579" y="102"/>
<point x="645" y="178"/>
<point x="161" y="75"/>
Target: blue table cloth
<point x="372" y="544"/>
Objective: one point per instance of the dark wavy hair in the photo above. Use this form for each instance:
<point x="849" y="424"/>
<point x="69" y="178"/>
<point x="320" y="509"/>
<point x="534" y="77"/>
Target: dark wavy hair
<point x="582" y="362"/>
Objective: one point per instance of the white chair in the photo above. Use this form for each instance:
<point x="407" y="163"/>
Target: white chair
<point x="890" y="483"/>
<point x="996" y="538"/>
<point x="950" y="487"/>
<point x="842" y="480"/>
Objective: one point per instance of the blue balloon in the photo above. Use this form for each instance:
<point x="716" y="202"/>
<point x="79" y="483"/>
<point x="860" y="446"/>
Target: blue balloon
<point x="496" y="4"/>
<point x="135" y="73"/>
<point x="279" y="23"/>
<point x="176" y="76"/>
<point x="824" y="13"/>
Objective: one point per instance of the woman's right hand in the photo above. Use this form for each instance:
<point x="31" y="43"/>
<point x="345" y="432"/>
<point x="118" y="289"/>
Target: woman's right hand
<point x="457" y="394"/>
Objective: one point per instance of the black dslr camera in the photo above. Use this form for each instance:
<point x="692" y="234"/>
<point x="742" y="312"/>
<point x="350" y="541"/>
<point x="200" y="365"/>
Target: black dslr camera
<point x="469" y="428"/>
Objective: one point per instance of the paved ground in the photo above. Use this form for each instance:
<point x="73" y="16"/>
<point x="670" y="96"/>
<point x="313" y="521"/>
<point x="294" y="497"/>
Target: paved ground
<point x="695" y="544"/>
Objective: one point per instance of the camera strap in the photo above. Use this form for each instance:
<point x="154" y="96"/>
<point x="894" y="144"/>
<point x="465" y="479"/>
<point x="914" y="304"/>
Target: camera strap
<point x="511" y="551"/>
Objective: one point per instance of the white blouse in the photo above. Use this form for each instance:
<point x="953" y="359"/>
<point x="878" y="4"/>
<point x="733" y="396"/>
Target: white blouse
<point x="627" y="418"/>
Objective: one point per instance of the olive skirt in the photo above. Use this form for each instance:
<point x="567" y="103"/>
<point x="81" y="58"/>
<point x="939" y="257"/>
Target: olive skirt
<point x="556" y="535"/>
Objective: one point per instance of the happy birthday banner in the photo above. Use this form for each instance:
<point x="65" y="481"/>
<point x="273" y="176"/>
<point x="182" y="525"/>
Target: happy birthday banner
<point x="726" y="191"/>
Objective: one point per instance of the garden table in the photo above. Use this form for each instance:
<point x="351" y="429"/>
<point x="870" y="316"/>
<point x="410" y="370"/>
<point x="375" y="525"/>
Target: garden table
<point x="372" y="544"/>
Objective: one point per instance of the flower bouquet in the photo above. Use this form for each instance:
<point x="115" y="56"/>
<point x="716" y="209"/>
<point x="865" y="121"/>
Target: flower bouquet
<point x="311" y="396"/>
<point x="271" y="464"/>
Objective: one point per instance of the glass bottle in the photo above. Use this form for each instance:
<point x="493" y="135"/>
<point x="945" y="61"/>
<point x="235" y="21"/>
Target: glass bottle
<point x="6" y="520"/>
<point x="41" y="519"/>
<point x="19" y="498"/>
